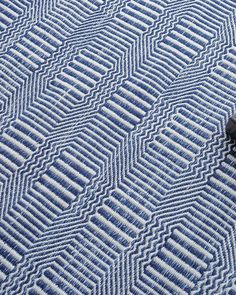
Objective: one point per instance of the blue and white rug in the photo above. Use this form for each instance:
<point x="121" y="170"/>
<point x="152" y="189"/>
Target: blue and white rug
<point x="116" y="174"/>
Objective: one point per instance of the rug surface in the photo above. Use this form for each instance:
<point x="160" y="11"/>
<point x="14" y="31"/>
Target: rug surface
<point x="116" y="173"/>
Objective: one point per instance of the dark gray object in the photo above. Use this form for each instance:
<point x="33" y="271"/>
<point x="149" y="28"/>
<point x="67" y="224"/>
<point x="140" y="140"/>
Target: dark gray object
<point x="231" y="127"/>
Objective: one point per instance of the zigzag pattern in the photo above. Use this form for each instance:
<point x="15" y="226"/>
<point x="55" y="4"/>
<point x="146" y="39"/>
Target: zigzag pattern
<point x="116" y="175"/>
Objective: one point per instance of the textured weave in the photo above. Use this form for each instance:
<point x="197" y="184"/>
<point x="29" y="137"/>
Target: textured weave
<point x="116" y="174"/>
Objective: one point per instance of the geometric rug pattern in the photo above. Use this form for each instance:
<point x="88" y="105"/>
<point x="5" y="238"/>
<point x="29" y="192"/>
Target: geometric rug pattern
<point x="116" y="173"/>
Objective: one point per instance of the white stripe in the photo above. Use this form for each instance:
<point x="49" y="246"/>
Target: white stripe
<point x="47" y="34"/>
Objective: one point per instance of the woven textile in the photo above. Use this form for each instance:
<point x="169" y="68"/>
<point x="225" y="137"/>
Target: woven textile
<point x="116" y="173"/>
